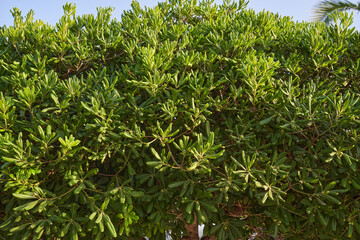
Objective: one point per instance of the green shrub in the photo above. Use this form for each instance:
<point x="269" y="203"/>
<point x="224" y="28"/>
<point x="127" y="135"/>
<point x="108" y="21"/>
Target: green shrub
<point x="246" y="122"/>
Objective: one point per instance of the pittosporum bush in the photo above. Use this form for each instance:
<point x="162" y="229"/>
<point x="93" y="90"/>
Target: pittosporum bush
<point x="180" y="115"/>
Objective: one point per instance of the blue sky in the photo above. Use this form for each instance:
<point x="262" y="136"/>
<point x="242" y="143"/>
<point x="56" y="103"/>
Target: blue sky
<point x="51" y="11"/>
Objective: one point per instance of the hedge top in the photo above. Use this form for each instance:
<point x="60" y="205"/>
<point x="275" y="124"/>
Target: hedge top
<point x="186" y="113"/>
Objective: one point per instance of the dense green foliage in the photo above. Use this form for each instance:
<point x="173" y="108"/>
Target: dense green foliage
<point x="130" y="129"/>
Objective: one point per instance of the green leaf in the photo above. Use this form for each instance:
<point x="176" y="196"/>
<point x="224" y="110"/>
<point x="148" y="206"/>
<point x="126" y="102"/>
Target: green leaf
<point x="193" y="166"/>
<point x="105" y="204"/>
<point x="74" y="235"/>
<point x="131" y="170"/>
<point x="331" y="198"/>
<point x="189" y="207"/>
<point x="79" y="188"/>
<point x="176" y="184"/>
<point x="26" y="206"/>
<point x="357" y="226"/>
<point x="265" y="197"/>
<point x="266" y="120"/>
<point x="92" y="172"/>
<point x="330" y="185"/>
<point x="23" y="196"/>
<point x="65" y="229"/>
<point x="90" y="184"/>
<point x="322" y="219"/>
<point x="201" y="216"/>
<point x="258" y="184"/>
<point x="99" y="218"/>
<point x="6" y="222"/>
<point x="137" y="194"/>
<point x="57" y="219"/>
<point x="153" y="163"/>
<point x="350" y="231"/>
<point x="209" y="207"/>
<point x="110" y="226"/>
<point x="155" y="153"/>
<point x="128" y="135"/>
<point x="355" y="184"/>
<point x="19" y="228"/>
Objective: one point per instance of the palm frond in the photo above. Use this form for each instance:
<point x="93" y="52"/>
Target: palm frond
<point x="322" y="9"/>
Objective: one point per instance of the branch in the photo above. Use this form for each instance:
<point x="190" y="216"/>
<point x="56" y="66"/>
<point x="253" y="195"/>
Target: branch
<point x="321" y="11"/>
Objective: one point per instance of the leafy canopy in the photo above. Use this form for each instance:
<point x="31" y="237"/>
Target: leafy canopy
<point x="185" y="113"/>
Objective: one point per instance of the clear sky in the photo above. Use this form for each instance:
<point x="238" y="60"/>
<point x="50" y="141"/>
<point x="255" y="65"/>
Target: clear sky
<point x="51" y="11"/>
